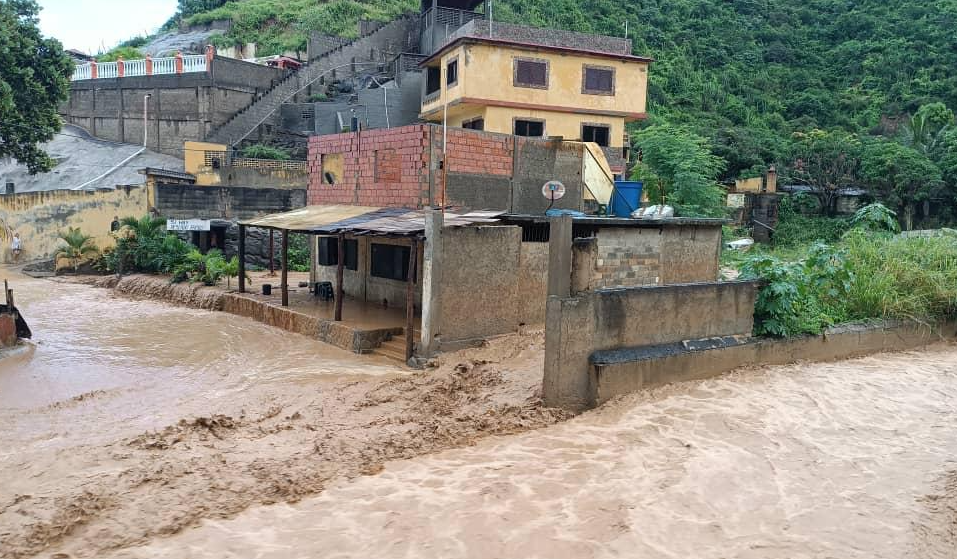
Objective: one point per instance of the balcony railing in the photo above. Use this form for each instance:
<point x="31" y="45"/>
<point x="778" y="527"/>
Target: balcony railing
<point x="179" y="64"/>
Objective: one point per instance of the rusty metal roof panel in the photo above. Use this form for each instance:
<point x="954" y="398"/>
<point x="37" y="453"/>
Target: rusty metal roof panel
<point x="364" y="220"/>
<point x="310" y="217"/>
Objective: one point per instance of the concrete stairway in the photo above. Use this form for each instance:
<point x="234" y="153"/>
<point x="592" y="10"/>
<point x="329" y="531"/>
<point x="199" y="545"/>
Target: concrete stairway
<point x="394" y="348"/>
<point x="379" y="46"/>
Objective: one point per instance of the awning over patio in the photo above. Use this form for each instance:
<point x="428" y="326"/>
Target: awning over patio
<point x="363" y="220"/>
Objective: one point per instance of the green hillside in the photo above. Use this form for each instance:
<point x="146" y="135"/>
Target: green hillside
<point x="744" y="74"/>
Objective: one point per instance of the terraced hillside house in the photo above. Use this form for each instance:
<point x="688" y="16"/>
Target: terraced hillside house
<point x="537" y="82"/>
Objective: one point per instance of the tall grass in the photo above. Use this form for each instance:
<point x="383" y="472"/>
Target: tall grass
<point x="911" y="278"/>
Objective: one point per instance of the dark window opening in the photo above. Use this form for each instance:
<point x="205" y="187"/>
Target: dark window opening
<point x="206" y="240"/>
<point x="599" y="80"/>
<point x="452" y="73"/>
<point x="474" y="124"/>
<point x="597" y="134"/>
<point x="433" y="80"/>
<point x="390" y="262"/>
<point x="535" y="232"/>
<point x="530" y="73"/>
<point x="329" y="252"/>
<point x="534" y="128"/>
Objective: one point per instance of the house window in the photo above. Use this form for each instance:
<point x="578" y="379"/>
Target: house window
<point x="329" y="252"/>
<point x="530" y="72"/>
<point x="597" y="133"/>
<point x="452" y="72"/>
<point x="535" y="128"/>
<point x="433" y="80"/>
<point x="474" y="124"/>
<point x="390" y="262"/>
<point x="598" y="80"/>
<point x="308" y="113"/>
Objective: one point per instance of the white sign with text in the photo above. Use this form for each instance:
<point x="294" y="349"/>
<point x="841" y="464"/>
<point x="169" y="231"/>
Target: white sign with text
<point x="187" y="225"/>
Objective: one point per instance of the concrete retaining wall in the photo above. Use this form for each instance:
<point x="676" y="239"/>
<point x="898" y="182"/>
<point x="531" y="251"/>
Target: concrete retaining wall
<point x="182" y="106"/>
<point x="624" y="375"/>
<point x="578" y="326"/>
<point x="39" y="217"/>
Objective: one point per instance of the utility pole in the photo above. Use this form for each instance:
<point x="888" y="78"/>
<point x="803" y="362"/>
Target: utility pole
<point x="146" y="101"/>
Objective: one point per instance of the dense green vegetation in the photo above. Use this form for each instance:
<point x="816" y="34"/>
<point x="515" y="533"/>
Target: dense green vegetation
<point x="143" y="245"/>
<point x="34" y="74"/>
<point x="867" y="272"/>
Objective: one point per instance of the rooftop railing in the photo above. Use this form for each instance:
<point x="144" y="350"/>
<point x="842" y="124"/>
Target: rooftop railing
<point x="179" y="64"/>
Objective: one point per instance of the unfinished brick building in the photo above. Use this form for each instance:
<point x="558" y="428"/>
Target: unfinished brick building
<point x="402" y="167"/>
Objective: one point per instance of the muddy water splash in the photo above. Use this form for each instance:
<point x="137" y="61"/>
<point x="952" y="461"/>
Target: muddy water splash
<point x="132" y="420"/>
<point x="848" y="460"/>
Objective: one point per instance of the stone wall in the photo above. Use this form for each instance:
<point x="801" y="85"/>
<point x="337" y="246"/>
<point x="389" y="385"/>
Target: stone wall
<point x="591" y="321"/>
<point x="229" y="204"/>
<point x="39" y="217"/>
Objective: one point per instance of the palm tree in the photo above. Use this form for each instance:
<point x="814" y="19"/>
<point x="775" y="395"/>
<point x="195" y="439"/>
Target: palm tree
<point x="79" y="246"/>
<point x="145" y="227"/>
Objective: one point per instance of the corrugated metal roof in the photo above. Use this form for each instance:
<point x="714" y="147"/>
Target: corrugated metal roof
<point x="309" y="217"/>
<point x="330" y="220"/>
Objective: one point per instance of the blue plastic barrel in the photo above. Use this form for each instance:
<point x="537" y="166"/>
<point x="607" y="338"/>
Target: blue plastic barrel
<point x="626" y="198"/>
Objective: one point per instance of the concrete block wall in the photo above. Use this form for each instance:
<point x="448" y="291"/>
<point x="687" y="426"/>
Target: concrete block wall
<point x="578" y="326"/>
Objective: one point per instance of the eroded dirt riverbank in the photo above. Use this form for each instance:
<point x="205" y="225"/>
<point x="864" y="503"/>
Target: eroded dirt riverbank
<point x="131" y="420"/>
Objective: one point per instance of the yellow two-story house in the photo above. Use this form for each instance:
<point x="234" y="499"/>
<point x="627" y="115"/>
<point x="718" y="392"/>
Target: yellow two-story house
<point x="530" y="89"/>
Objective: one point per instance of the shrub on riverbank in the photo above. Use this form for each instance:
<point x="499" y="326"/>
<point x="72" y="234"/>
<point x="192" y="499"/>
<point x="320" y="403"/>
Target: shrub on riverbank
<point x="867" y="275"/>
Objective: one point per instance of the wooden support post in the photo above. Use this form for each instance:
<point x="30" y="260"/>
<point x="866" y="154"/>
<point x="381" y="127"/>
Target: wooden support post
<point x="272" y="255"/>
<point x="285" y="268"/>
<point x="242" y="258"/>
<point x="410" y="303"/>
<point x="340" y="263"/>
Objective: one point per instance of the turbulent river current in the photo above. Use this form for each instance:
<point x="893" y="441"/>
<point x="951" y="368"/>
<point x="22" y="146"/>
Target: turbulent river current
<point x="855" y="459"/>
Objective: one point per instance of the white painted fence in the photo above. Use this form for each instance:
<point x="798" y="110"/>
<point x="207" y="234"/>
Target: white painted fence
<point x="144" y="67"/>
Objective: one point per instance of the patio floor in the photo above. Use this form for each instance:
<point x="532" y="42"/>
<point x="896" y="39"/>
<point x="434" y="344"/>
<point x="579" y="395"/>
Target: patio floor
<point x="358" y="314"/>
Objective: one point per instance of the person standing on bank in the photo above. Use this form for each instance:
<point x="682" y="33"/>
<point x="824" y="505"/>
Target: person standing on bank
<point x="115" y="226"/>
<point x="17" y="247"/>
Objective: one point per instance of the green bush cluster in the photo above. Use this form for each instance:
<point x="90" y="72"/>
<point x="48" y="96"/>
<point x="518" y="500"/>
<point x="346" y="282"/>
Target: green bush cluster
<point x="260" y="151"/>
<point x="871" y="273"/>
<point x="143" y="245"/>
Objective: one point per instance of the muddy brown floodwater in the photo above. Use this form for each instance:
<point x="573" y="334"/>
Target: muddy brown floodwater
<point x="138" y="430"/>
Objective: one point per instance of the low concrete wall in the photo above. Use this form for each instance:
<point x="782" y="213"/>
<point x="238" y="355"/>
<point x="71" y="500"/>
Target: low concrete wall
<point x="578" y="326"/>
<point x="39" y="217"/>
<point x="613" y="375"/>
<point x="159" y="288"/>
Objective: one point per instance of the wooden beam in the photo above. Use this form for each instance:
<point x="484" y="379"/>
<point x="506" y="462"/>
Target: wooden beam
<point x="242" y="258"/>
<point x="285" y="268"/>
<point x="340" y="263"/>
<point x="410" y="303"/>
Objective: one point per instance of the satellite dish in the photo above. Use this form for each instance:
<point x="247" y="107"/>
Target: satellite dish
<point x="553" y="190"/>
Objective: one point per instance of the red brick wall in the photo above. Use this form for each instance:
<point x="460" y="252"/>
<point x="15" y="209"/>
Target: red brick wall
<point x="394" y="164"/>
<point x="402" y="179"/>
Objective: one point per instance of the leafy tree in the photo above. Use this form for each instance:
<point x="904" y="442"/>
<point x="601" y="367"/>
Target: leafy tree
<point x="34" y="75"/>
<point x="902" y="176"/>
<point x="679" y="169"/>
<point x="825" y="161"/>
<point x="124" y="52"/>
<point x="876" y="217"/>
<point x="79" y="246"/>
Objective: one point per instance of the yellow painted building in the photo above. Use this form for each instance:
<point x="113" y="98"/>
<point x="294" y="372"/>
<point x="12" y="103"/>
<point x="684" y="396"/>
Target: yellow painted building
<point x="535" y="90"/>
